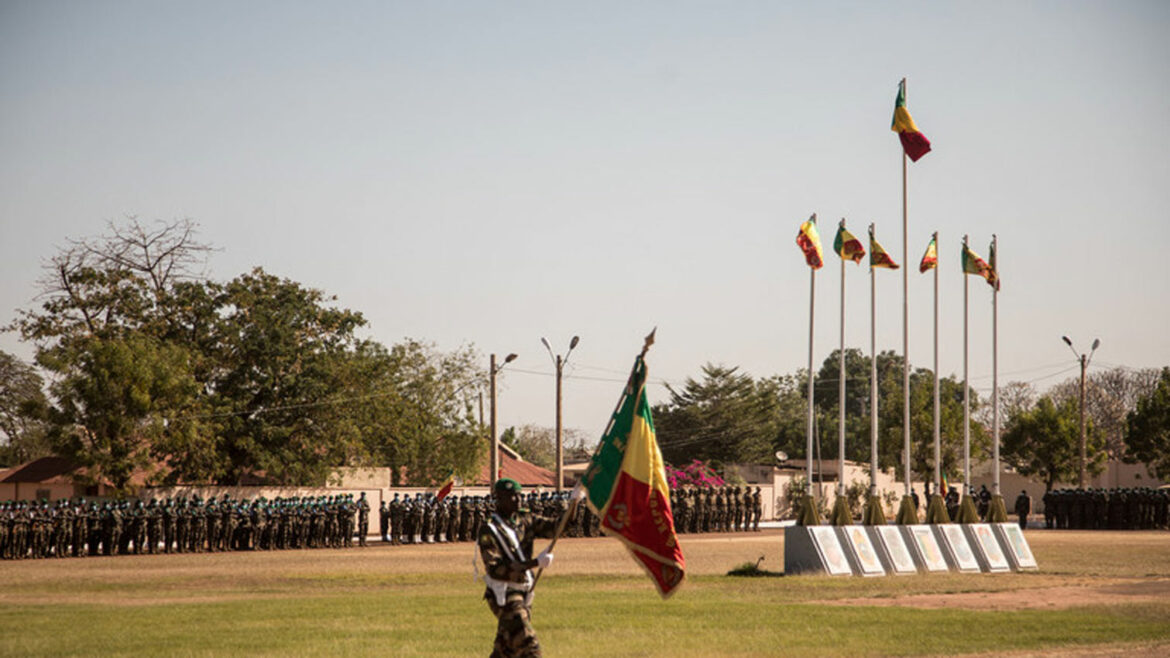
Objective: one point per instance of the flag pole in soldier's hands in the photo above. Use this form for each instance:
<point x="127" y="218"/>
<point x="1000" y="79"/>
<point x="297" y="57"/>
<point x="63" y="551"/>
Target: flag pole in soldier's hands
<point x="579" y="491"/>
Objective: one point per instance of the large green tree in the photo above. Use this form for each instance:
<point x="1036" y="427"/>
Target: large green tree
<point x="23" y="412"/>
<point x="1148" y="429"/>
<point x="725" y="417"/>
<point x="1044" y="441"/>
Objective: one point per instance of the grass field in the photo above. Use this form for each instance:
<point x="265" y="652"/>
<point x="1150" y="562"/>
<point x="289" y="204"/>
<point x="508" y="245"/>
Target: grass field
<point x="1096" y="594"/>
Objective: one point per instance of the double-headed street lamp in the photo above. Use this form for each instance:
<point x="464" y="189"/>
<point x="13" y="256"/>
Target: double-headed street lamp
<point x="1084" y="361"/>
<point x="560" y="362"/>
<point x="495" y="456"/>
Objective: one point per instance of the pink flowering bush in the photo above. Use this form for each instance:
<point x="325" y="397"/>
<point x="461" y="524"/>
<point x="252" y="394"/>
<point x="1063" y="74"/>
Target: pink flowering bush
<point x="695" y="474"/>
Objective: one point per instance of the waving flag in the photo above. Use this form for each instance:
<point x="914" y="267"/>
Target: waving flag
<point x="914" y="143"/>
<point x="878" y="256"/>
<point x="930" y="258"/>
<point x="625" y="485"/>
<point x="448" y="485"/>
<point x="809" y="242"/>
<point x="973" y="264"/>
<point x="993" y="277"/>
<point x="847" y="246"/>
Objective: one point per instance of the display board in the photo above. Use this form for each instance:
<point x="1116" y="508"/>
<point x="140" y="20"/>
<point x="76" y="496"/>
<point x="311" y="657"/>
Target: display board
<point x="893" y="549"/>
<point x="861" y="550"/>
<point x="814" y="549"/>
<point x="1018" y="552"/>
<point x="829" y="546"/>
<point x="987" y="549"/>
<point x="926" y="550"/>
<point x="955" y="547"/>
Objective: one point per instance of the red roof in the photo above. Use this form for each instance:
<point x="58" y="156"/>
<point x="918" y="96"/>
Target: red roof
<point x="43" y="470"/>
<point x="527" y="474"/>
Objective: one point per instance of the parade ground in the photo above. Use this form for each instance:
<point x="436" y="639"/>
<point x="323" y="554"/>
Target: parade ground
<point x="1098" y="593"/>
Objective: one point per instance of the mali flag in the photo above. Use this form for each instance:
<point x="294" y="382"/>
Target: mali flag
<point x="809" y="242"/>
<point x="914" y="143"/>
<point x="993" y="278"/>
<point x="847" y="246"/>
<point x="930" y="258"/>
<point x="448" y="485"/>
<point x="626" y="487"/>
<point x="878" y="256"/>
<point x="973" y="264"/>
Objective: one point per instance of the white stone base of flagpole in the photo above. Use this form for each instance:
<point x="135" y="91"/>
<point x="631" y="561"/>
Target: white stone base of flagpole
<point x="1015" y="546"/>
<point x="955" y="547"/>
<point x="814" y="549"/>
<point x="892" y="549"/>
<point x="860" y="551"/>
<point x="928" y="555"/>
<point x="988" y="552"/>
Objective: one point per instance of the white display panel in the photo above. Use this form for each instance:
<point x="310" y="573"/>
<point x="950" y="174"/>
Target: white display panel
<point x="831" y="551"/>
<point x="863" y="551"/>
<point x="901" y="562"/>
<point x="926" y="548"/>
<point x="958" y="548"/>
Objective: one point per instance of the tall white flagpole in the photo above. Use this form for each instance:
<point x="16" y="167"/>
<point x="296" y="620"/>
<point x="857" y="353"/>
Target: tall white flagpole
<point x="966" y="385"/>
<point x="905" y="331"/>
<point x="995" y="366"/>
<point x="841" y="388"/>
<point x="937" y="431"/>
<point x="873" y="396"/>
<point x="812" y="289"/>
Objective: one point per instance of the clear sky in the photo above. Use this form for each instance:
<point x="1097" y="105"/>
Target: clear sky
<point x="494" y="172"/>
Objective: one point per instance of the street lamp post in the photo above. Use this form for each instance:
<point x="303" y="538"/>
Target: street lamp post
<point x="1084" y="361"/>
<point x="560" y="362"/>
<point x="495" y="452"/>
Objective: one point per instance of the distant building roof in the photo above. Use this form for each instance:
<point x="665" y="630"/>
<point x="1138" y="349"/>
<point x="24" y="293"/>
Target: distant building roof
<point x="43" y="470"/>
<point x="512" y="466"/>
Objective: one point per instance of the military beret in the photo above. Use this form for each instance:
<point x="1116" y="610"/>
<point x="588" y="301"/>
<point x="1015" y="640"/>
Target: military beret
<point x="507" y="484"/>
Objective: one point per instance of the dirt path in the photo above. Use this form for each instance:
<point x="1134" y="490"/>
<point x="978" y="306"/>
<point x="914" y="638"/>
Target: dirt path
<point x="1112" y="592"/>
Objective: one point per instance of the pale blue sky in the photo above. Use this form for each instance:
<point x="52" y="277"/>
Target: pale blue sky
<point x="491" y="173"/>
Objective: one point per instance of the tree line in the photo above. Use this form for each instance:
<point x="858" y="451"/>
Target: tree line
<point x="157" y="370"/>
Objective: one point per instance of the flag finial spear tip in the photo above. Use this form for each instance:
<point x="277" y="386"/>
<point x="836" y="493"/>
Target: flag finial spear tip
<point x="649" y="341"/>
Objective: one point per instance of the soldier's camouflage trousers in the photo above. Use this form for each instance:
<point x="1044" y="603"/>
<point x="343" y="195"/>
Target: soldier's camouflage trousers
<point x="515" y="637"/>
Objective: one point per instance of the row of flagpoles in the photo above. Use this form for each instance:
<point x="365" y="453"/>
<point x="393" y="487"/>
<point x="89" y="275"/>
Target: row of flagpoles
<point x="848" y="247"/>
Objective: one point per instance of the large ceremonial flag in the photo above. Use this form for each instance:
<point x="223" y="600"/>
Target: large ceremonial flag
<point x="626" y="487"/>
<point x="878" y="257"/>
<point x="847" y="246"/>
<point x="914" y="143"/>
<point x="447" y="486"/>
<point x="930" y="258"/>
<point x="809" y="242"/>
<point x="973" y="264"/>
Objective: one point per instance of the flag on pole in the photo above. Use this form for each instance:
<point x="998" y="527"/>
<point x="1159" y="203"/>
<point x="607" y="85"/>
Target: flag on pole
<point x="944" y="486"/>
<point x="809" y="242"/>
<point x="914" y="143"/>
<point x="993" y="277"/>
<point x="973" y="264"/>
<point x="930" y="258"/>
<point x="625" y="485"/>
<point x="847" y="246"/>
<point x="447" y="486"/>
<point x="878" y="256"/>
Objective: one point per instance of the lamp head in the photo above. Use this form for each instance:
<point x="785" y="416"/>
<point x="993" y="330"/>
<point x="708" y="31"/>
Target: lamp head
<point x="545" y="342"/>
<point x="1067" y="340"/>
<point x="510" y="358"/>
<point x="573" y="343"/>
<point x="1096" y="344"/>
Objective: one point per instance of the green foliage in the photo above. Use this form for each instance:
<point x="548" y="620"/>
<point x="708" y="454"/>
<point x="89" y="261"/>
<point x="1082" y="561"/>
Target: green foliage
<point x="535" y="444"/>
<point x="23" y="412"/>
<point x="1045" y="442"/>
<point x="726" y="417"/>
<point x="1147" y="436"/>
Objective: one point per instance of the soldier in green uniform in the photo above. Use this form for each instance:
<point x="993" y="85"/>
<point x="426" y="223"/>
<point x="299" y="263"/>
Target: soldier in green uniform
<point x="505" y="545"/>
<point x="363" y="512"/>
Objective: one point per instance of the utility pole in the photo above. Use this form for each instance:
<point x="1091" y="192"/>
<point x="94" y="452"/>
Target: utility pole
<point x="560" y="362"/>
<point x="1083" y="359"/>
<point x="495" y="450"/>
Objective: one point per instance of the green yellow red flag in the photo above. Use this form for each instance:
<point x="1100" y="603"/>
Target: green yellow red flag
<point x="847" y="246"/>
<point x="993" y="277"/>
<point x="973" y="264"/>
<point x="914" y="143"/>
<point x="809" y="241"/>
<point x="625" y="485"/>
<point x="930" y="258"/>
<point x="446" y="487"/>
<point x="878" y="257"/>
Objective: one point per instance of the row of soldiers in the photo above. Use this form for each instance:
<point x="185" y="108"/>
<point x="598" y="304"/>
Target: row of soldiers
<point x="716" y="509"/>
<point x="1136" y="508"/>
<point x="427" y="519"/>
<point x="76" y="528"/>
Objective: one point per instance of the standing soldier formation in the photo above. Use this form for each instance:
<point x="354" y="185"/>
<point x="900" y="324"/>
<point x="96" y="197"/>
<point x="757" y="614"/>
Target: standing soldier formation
<point x="716" y="509"/>
<point x="1135" y="508"/>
